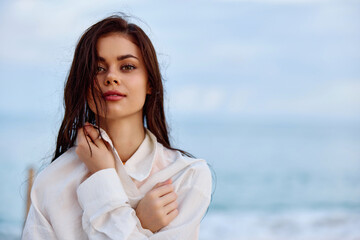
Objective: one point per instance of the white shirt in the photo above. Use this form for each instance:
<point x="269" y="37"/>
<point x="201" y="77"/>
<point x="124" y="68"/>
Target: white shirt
<point x="66" y="205"/>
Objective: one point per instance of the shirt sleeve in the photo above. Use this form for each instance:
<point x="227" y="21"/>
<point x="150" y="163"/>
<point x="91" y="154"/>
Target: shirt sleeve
<point x="37" y="226"/>
<point x="108" y="215"/>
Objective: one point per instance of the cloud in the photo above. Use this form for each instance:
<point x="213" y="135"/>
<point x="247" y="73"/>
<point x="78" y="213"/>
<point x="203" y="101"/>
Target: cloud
<point x="241" y="51"/>
<point x="195" y="98"/>
<point x="340" y="18"/>
<point x="287" y="2"/>
<point x="239" y="69"/>
<point x="34" y="32"/>
<point x="340" y="99"/>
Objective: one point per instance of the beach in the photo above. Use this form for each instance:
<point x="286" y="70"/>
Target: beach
<point x="273" y="181"/>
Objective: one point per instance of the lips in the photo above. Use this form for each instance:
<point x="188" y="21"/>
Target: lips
<point x="113" y="96"/>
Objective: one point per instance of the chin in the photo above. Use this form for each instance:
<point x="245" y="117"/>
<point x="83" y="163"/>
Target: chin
<point x="112" y="115"/>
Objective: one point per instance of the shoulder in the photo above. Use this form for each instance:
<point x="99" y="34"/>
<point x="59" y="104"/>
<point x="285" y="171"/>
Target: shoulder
<point x="64" y="170"/>
<point x="68" y="161"/>
<point x="198" y="174"/>
<point x="192" y="172"/>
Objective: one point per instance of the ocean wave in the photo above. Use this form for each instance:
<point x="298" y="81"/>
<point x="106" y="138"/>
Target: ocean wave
<point x="285" y="225"/>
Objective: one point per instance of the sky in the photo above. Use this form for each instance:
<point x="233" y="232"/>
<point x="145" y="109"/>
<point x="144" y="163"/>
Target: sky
<point x="222" y="60"/>
<point x="235" y="59"/>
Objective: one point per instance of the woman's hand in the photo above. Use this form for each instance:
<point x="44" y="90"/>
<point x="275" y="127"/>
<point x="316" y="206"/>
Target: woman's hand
<point x="100" y="157"/>
<point x="158" y="207"/>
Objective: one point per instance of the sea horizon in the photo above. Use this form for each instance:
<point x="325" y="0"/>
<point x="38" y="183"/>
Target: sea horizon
<point x="272" y="180"/>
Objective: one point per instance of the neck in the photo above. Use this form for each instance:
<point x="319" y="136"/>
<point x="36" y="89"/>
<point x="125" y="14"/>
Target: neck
<point x="126" y="135"/>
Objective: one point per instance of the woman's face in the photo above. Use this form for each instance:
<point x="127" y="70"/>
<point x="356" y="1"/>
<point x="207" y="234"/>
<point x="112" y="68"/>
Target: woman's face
<point x="121" y="76"/>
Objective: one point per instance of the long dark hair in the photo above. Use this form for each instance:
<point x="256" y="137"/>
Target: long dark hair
<point x="80" y="83"/>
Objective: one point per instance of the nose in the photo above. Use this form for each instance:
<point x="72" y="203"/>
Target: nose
<point x="112" y="79"/>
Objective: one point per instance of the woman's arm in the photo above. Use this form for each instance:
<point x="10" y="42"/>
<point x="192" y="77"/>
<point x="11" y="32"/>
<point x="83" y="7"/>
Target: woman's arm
<point x="37" y="226"/>
<point x="158" y="207"/>
<point x="108" y="215"/>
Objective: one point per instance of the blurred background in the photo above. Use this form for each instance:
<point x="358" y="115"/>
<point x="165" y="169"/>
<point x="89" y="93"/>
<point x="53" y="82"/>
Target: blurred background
<point x="267" y="91"/>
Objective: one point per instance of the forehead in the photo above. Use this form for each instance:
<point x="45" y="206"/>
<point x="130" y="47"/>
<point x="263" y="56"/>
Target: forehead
<point x="114" y="45"/>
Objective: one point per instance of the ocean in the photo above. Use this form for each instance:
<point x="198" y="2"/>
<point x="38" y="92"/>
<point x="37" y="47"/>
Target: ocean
<point x="272" y="180"/>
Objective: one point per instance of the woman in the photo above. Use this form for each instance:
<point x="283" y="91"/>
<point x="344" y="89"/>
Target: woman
<point x="111" y="177"/>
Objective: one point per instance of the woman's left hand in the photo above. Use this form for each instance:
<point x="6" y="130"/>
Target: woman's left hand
<point x="158" y="207"/>
<point x="100" y="156"/>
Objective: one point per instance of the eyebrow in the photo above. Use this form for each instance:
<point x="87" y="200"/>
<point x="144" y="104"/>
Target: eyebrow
<point x="119" y="58"/>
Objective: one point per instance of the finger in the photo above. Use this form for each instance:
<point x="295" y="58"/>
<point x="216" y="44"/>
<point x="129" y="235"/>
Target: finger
<point x="163" y="190"/>
<point x="84" y="140"/>
<point x="170" y="207"/>
<point x="81" y="137"/>
<point x="91" y="132"/>
<point x="168" y="198"/>
<point x="169" y="181"/>
<point x="90" y="141"/>
<point x="94" y="136"/>
<point x="171" y="215"/>
<point x="108" y="146"/>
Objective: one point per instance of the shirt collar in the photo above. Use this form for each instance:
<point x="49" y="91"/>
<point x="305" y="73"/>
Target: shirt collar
<point x="139" y="165"/>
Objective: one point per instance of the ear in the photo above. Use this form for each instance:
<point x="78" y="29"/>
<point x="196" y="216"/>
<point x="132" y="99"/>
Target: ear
<point x="148" y="89"/>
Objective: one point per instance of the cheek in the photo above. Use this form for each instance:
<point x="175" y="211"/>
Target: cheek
<point x="91" y="101"/>
<point x="141" y="93"/>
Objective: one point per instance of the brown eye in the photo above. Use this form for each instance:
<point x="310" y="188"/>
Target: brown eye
<point x="100" y="69"/>
<point x="128" y="67"/>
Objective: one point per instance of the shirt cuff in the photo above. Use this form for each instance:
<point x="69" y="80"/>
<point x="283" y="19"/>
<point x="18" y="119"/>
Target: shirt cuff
<point x="102" y="189"/>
